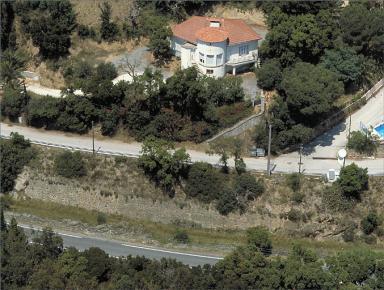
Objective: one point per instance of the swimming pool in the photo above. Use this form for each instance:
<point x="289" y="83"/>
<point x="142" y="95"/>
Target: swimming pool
<point x="380" y="130"/>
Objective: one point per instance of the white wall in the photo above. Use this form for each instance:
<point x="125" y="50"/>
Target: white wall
<point x="233" y="50"/>
<point x="215" y="49"/>
<point x="176" y="44"/>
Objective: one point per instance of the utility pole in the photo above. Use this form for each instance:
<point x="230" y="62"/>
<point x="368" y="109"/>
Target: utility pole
<point x="269" y="150"/>
<point x="350" y="124"/>
<point x="301" y="151"/>
<point x="93" y="140"/>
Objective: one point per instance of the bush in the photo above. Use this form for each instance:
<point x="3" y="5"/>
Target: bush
<point x="204" y="182"/>
<point x="362" y="143"/>
<point x="370" y="223"/>
<point x="334" y="199"/>
<point x="84" y="31"/>
<point x="259" y="238"/>
<point x="349" y="235"/>
<point x="294" y="215"/>
<point x="298" y="197"/>
<point x="294" y="181"/>
<point x="246" y="185"/>
<point x="353" y="181"/>
<point x="13" y="102"/>
<point x="227" y="202"/>
<point x="181" y="236"/>
<point x="70" y="164"/>
<point x="101" y="218"/>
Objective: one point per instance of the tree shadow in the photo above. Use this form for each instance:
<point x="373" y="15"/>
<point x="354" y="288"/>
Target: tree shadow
<point x="324" y="139"/>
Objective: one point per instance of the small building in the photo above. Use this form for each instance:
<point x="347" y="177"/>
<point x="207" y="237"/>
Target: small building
<point x="215" y="45"/>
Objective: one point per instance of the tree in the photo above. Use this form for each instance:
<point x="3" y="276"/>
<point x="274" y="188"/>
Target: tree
<point x="15" y="154"/>
<point x="7" y="25"/>
<point x="159" y="44"/>
<point x="108" y="29"/>
<point x="370" y="223"/>
<point x="98" y="263"/>
<point x="310" y="91"/>
<point x="13" y="102"/>
<point x="51" y="29"/>
<point x="345" y="63"/>
<point x="363" y="29"/>
<point x="269" y="75"/>
<point x="161" y="165"/>
<point x="43" y="112"/>
<point x="258" y="238"/>
<point x="353" y="180"/>
<point x="227" y="201"/>
<point x="11" y="65"/>
<point x="362" y="143"/>
<point x="70" y="165"/>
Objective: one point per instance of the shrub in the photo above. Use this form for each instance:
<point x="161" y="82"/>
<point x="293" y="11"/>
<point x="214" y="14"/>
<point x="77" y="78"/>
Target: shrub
<point x="294" y="181"/>
<point x="370" y="240"/>
<point x="121" y="159"/>
<point x="362" y="143"/>
<point x="13" y="102"/>
<point x="353" y="181"/>
<point x="181" y="236"/>
<point x="298" y="197"/>
<point x="334" y="199"/>
<point x="370" y="223"/>
<point x="84" y="31"/>
<point x="204" y="182"/>
<point x="294" y="215"/>
<point x="247" y="186"/>
<point x="101" y="218"/>
<point x="70" y="164"/>
<point x="269" y="75"/>
<point x="349" y="234"/>
<point x="227" y="202"/>
<point x="259" y="238"/>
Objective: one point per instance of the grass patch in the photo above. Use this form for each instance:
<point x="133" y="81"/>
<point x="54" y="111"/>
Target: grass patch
<point x="164" y="233"/>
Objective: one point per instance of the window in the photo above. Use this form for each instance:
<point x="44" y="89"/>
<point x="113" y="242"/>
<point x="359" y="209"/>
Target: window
<point x="243" y="50"/>
<point x="219" y="59"/>
<point x="201" y="57"/>
<point x="209" y="71"/>
<point x="210" y="60"/>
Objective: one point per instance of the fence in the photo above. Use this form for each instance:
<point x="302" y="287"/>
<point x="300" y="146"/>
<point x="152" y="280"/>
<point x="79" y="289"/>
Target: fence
<point x="239" y="127"/>
<point x="343" y="113"/>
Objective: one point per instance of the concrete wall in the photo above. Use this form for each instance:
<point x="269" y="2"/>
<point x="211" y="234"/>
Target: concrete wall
<point x="233" y="50"/>
<point x="214" y="49"/>
<point x="176" y="44"/>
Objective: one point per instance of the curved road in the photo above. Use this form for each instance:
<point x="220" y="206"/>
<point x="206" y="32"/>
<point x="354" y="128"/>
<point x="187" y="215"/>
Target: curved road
<point x="286" y="163"/>
<point x="117" y="249"/>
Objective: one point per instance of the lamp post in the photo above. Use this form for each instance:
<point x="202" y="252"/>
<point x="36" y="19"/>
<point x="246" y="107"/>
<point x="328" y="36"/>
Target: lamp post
<point x="269" y="150"/>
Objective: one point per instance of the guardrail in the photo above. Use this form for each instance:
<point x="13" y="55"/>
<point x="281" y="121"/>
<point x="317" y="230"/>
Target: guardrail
<point x="76" y="148"/>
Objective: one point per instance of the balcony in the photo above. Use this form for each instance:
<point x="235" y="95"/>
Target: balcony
<point x="249" y="58"/>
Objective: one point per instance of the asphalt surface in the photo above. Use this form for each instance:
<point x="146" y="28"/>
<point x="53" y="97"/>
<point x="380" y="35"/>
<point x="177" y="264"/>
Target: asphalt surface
<point x="118" y="249"/>
<point x="287" y="163"/>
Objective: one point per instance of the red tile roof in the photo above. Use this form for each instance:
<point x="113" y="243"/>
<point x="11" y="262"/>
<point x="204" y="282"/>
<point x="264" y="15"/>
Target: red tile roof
<point x="236" y="30"/>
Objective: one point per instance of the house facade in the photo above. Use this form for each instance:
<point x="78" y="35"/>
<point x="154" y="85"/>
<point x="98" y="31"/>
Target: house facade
<point x="215" y="45"/>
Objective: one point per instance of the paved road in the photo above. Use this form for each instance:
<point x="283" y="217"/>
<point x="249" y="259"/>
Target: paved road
<point x="117" y="249"/>
<point x="285" y="163"/>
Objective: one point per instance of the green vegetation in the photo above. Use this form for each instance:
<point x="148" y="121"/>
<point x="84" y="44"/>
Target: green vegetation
<point x="353" y="181"/>
<point x="15" y="154"/>
<point x="312" y="54"/>
<point x="294" y="181"/>
<point x="362" y="143"/>
<point x="70" y="164"/>
<point x="108" y="29"/>
<point x="46" y="264"/>
<point x="49" y="23"/>
<point x="160" y="165"/>
<point x="370" y="223"/>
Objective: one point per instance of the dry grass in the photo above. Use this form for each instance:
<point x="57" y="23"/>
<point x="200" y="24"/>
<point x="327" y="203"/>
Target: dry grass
<point x="253" y="16"/>
<point x="88" y="11"/>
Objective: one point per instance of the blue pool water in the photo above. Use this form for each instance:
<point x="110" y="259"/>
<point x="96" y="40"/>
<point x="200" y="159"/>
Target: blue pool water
<point x="380" y="130"/>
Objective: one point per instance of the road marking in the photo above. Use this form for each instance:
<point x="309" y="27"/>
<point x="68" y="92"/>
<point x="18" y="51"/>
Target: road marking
<point x="172" y="252"/>
<point x="40" y="230"/>
<point x="68" y="235"/>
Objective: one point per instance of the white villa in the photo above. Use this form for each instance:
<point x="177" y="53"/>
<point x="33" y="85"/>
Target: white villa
<point x="215" y="45"/>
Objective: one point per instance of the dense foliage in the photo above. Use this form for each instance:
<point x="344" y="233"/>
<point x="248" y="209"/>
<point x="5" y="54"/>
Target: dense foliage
<point x="362" y="143"/>
<point x="45" y="264"/>
<point x="49" y="23"/>
<point x="311" y="50"/>
<point x="15" y="153"/>
<point x="353" y="180"/>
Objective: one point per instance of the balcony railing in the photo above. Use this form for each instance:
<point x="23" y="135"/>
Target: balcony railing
<point x="243" y="59"/>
